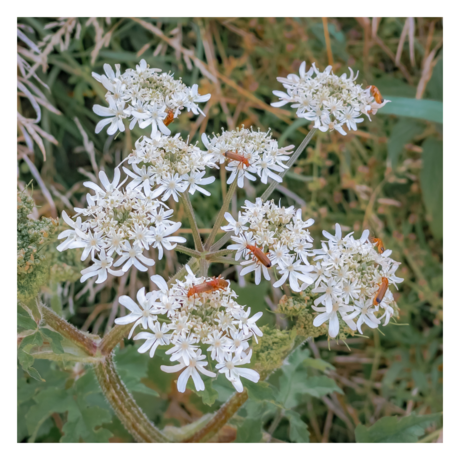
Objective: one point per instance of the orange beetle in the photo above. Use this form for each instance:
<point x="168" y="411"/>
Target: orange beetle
<point x="260" y="255"/>
<point x="169" y="118"/>
<point x="376" y="93"/>
<point x="234" y="156"/>
<point x="381" y="292"/>
<point x="208" y="286"/>
<point x="380" y="246"/>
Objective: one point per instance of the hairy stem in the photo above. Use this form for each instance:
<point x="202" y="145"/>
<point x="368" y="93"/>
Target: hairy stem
<point x="185" y="200"/>
<point x="80" y="339"/>
<point x="220" y="216"/>
<point x="113" y="338"/>
<point x="273" y="185"/>
<point x="223" y="252"/>
<point x="124" y="405"/>
<point x="224" y="260"/>
<point x="188" y="251"/>
<point x="221" y="417"/>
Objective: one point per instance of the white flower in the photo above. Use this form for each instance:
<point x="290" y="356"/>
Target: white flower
<point x="161" y="239"/>
<point x="256" y="266"/>
<point x="235" y="226"/>
<point x="184" y="348"/>
<point x="159" y="337"/>
<point x="100" y="269"/>
<point x="241" y="244"/>
<point x="71" y="235"/>
<point x="331" y="291"/>
<point x="219" y="345"/>
<point x="327" y="99"/>
<point x="295" y="271"/>
<point x="89" y="241"/>
<point x="195" y="179"/>
<point x="234" y="373"/>
<point x="249" y="324"/>
<point x="145" y="95"/>
<point x="115" y="115"/>
<point x="133" y="256"/>
<point x="170" y="186"/>
<point x="193" y="367"/>
<point x="332" y="317"/>
<point x="141" y="176"/>
<point x="265" y="168"/>
<point x="143" y="314"/>
<point x="366" y="315"/>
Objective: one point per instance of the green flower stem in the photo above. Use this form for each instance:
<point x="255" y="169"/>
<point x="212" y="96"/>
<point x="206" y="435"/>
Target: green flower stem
<point x="273" y="185"/>
<point x="124" y="405"/>
<point x="113" y="338"/>
<point x="224" y="260"/>
<point x="223" y="252"/>
<point x="204" y="266"/>
<point x="185" y="200"/>
<point x="220" y="216"/>
<point x="188" y="251"/>
<point x="82" y="340"/>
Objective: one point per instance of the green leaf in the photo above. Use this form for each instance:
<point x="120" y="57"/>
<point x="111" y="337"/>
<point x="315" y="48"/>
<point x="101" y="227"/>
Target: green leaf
<point x="414" y="108"/>
<point x="25" y="359"/>
<point x="209" y="395"/>
<point x="261" y="391"/>
<point x="320" y="386"/>
<point x="82" y="424"/>
<point x="249" y="431"/>
<point x="298" y="430"/>
<point x="25" y="322"/>
<point x="82" y="402"/>
<point x="53" y="338"/>
<point x="403" y="132"/>
<point x="390" y="429"/>
<point x="319" y="364"/>
<point x="431" y="182"/>
<point x="434" y="88"/>
<point x="133" y="367"/>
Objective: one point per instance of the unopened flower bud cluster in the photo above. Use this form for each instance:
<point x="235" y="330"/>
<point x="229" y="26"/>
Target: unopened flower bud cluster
<point x="263" y="155"/>
<point x="145" y="96"/>
<point x="211" y="321"/>
<point x="170" y="165"/>
<point x="119" y="222"/>
<point x="330" y="101"/>
<point x="281" y="234"/>
<point x="348" y="275"/>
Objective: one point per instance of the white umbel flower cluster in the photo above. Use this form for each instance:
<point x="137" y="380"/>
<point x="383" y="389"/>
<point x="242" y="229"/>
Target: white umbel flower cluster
<point x="268" y="235"/>
<point x="351" y="276"/>
<point x="170" y="165"/>
<point x="145" y="96"/>
<point x="194" y="314"/>
<point x="120" y="222"/>
<point x="332" y="102"/>
<point x="259" y="154"/>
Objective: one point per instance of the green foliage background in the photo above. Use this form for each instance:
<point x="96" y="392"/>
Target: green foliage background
<point x="387" y="177"/>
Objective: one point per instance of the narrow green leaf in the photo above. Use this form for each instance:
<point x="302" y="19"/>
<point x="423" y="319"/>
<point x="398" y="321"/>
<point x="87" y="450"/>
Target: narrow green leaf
<point x="414" y="108"/>
<point x="431" y="182"/>
<point x="403" y="132"/>
<point x="390" y="429"/>
<point x="25" y="322"/>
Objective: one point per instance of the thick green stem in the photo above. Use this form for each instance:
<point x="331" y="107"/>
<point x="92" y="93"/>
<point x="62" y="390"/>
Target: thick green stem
<point x="185" y="200"/>
<point x="273" y="185"/>
<point x="113" y="338"/>
<point x="221" y="417"/>
<point x="124" y="405"/>
<point x="223" y="252"/>
<point x="224" y="260"/>
<point x="80" y="339"/>
<point x="220" y="216"/>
